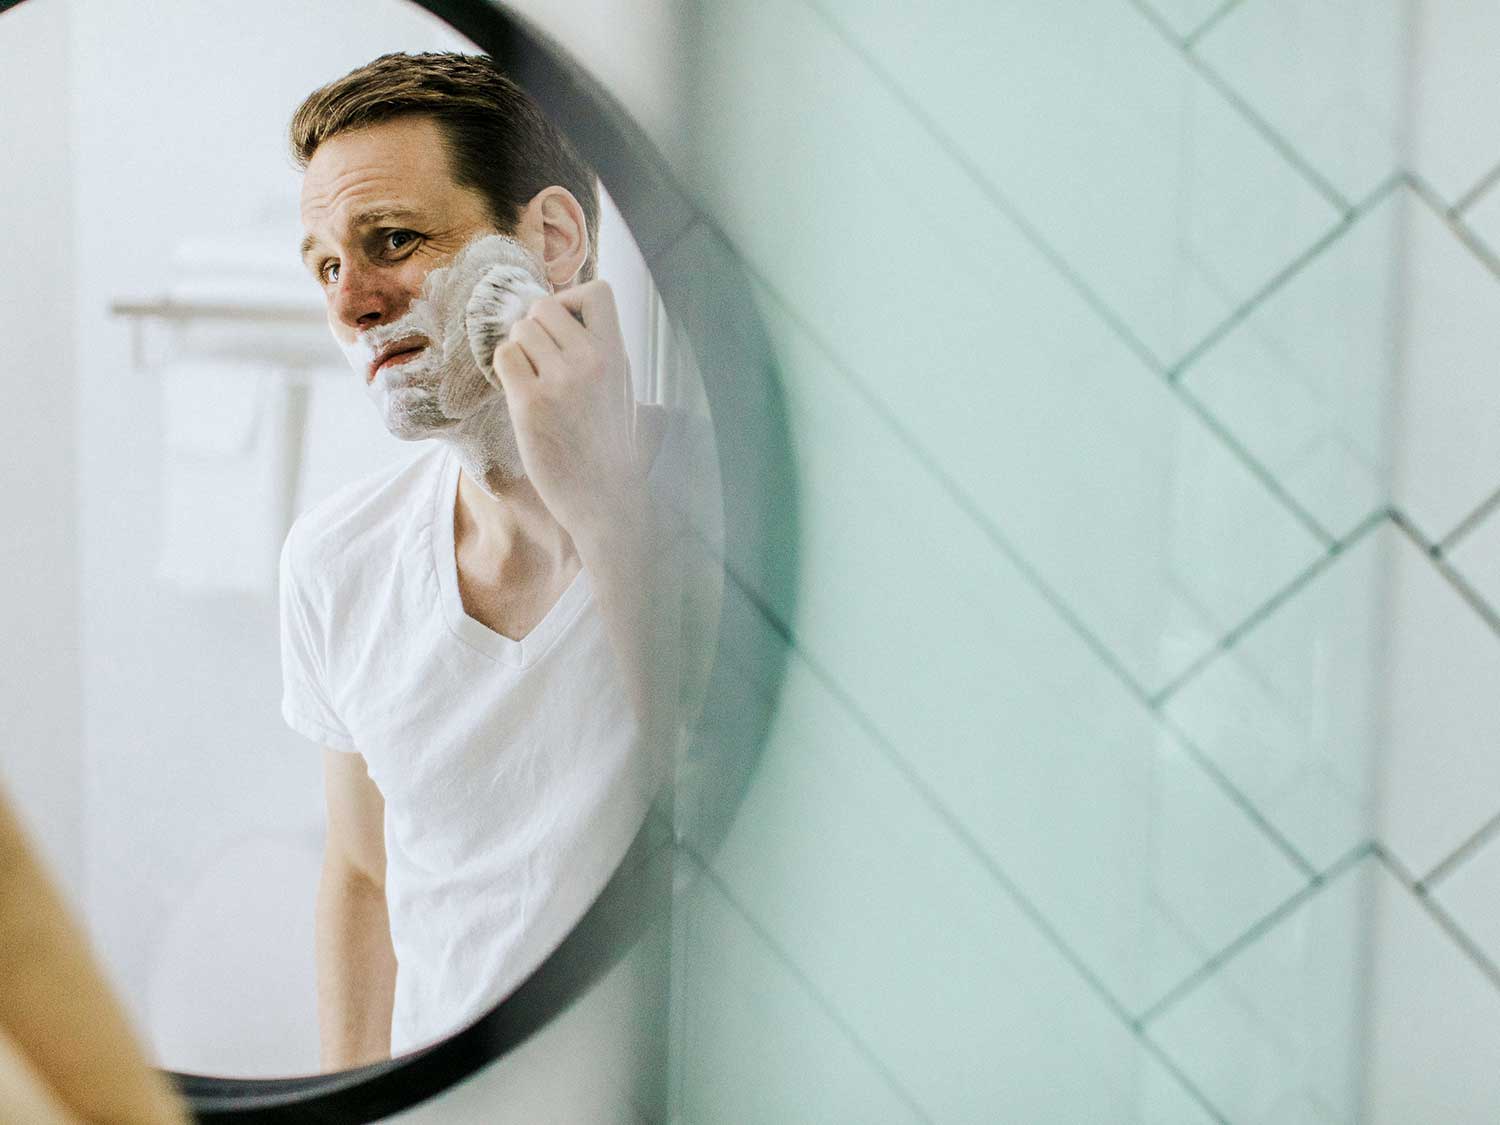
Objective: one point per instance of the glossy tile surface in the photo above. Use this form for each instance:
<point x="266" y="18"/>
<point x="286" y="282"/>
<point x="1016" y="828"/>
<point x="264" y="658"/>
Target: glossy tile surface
<point x="1454" y="143"/>
<point x="998" y="703"/>
<point x="1327" y="78"/>
<point x="1476" y="556"/>
<point x="1305" y="381"/>
<point x="1079" y="704"/>
<point x="1293" y="712"/>
<point x="844" y="865"/>
<point x="1448" y="447"/>
<point x="762" y="1049"/>
<point x="1030" y="405"/>
<point x="1440" y="775"/>
<point x="1272" y="1026"/>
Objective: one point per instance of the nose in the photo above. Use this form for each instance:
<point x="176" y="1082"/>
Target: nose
<point x="364" y="298"/>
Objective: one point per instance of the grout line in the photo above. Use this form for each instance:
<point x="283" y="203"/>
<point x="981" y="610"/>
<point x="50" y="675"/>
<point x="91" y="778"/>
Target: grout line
<point x="1288" y="153"/>
<point x="1472" y="196"/>
<point x="779" y="952"/>
<point x="954" y="491"/>
<point x="1319" y="880"/>
<point x="1455" y="224"/>
<point x="1477" y="603"/>
<point x="1258" y="298"/>
<point x="968" y="842"/>
<point x="1166" y="1060"/>
<point x="1335" y="550"/>
<point x="1468" y="523"/>
<point x="1459" y="854"/>
<point x="1252" y="812"/>
<point x="1267" y="479"/>
<point x="1445" y="920"/>
<point x="1149" y="13"/>
<point x="1135" y="344"/>
<point x="960" y="832"/>
<point x="1029" y="573"/>
<point x="1178" y="369"/>
<point x="1207" y="25"/>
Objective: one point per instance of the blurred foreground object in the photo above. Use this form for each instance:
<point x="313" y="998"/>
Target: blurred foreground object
<point x="67" y="1053"/>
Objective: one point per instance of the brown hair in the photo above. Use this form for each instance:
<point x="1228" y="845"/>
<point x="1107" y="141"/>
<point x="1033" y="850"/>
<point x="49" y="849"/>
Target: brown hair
<point x="499" y="143"/>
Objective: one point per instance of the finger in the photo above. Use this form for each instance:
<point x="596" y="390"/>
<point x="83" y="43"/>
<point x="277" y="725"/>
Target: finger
<point x="561" y="324"/>
<point x="514" y="367"/>
<point x="595" y="301"/>
<point x="545" y="356"/>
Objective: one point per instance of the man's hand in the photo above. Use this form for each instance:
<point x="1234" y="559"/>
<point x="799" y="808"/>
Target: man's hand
<point x="567" y="383"/>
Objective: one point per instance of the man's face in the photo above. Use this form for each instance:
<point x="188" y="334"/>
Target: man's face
<point x="380" y="211"/>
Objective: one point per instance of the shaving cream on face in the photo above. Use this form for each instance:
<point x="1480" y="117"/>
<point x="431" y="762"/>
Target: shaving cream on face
<point x="447" y="390"/>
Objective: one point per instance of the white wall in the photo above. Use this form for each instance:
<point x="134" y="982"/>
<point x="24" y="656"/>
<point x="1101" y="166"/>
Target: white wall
<point x="39" y="664"/>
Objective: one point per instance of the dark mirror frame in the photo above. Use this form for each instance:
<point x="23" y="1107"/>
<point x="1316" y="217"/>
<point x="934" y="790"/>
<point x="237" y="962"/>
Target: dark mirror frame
<point x="708" y="299"/>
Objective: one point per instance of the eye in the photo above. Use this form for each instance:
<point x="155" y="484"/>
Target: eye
<point x="328" y="272"/>
<point x="407" y="237"/>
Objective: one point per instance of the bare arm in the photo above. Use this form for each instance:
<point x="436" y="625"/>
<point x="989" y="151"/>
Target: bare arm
<point x="633" y="560"/>
<point x="356" y="962"/>
<point x="64" y="1039"/>
<point x="567" y="383"/>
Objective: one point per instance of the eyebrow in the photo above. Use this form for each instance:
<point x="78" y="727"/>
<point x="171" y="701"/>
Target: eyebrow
<point x="362" y="219"/>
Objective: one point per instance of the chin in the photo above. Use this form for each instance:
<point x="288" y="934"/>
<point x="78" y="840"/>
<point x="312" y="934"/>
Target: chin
<point x="410" y="429"/>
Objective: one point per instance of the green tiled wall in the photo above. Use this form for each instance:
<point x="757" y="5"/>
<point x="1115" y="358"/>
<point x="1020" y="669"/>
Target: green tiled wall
<point x="1136" y="756"/>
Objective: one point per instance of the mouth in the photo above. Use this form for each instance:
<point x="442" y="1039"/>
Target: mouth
<point x="397" y="352"/>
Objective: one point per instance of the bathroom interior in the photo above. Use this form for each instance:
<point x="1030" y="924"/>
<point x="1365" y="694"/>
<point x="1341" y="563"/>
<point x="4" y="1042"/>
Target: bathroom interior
<point x="1113" y="548"/>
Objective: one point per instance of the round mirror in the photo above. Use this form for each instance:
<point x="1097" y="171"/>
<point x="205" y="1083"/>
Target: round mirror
<point x="330" y="727"/>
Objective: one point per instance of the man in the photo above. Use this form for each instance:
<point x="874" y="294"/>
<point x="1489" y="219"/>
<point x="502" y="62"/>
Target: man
<point x="483" y="639"/>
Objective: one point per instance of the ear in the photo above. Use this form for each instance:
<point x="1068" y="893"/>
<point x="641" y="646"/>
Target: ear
<point x="555" y="220"/>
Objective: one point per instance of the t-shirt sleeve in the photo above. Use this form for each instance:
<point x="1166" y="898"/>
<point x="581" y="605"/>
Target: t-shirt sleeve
<point x="304" y="699"/>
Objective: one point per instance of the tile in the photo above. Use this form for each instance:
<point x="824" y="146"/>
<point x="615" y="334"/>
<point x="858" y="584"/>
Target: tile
<point x="1448" y="459"/>
<point x="1292" y="713"/>
<point x="1328" y="77"/>
<point x="1440" y="779"/>
<point x="1434" y="1022"/>
<point x="758" y="1047"/>
<point x="1124" y="158"/>
<point x="1467" y="893"/>
<point x="1003" y="376"/>
<point x="947" y="649"/>
<point x="1477" y="557"/>
<point x="915" y="945"/>
<point x="1305" y="380"/>
<point x="1277" y="1026"/>
<point x="1452" y="146"/>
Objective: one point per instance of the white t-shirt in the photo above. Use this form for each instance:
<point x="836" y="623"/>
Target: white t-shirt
<point x="512" y="778"/>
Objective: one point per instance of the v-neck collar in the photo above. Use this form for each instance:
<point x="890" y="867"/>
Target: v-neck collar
<point x="479" y="636"/>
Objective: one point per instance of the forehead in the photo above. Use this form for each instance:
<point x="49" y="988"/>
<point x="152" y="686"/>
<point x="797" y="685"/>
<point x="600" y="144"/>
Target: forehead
<point x="396" y="164"/>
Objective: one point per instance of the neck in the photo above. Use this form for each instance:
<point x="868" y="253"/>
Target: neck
<point x="505" y="521"/>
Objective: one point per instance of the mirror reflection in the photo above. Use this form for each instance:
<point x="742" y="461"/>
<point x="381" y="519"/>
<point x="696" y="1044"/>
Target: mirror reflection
<point x="395" y="492"/>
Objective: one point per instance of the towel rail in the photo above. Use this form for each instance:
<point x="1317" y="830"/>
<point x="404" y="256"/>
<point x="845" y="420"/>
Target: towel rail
<point x="205" y="310"/>
<point x="138" y="311"/>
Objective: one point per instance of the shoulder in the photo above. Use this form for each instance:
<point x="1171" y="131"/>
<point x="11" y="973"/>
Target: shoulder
<point x="354" y="518"/>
